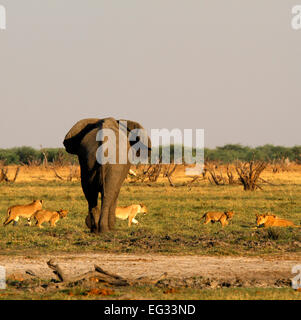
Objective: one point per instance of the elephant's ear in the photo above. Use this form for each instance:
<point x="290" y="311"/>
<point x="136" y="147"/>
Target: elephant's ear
<point x="77" y="132"/>
<point x="131" y="125"/>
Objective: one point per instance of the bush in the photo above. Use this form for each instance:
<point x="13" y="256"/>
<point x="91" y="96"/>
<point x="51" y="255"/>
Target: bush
<point x="28" y="155"/>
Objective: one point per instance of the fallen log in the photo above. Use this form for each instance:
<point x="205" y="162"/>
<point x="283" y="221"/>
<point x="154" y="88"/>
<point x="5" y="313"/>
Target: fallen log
<point x="57" y="270"/>
<point x="99" y="274"/>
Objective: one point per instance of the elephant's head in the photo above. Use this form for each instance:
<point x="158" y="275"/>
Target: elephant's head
<point x="81" y="129"/>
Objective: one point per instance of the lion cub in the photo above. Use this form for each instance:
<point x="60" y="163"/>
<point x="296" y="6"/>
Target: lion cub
<point x="52" y="217"/>
<point x="272" y="221"/>
<point x="222" y="217"/>
<point x="25" y="211"/>
<point x="130" y="212"/>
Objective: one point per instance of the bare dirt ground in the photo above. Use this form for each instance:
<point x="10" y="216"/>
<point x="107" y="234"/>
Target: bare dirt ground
<point x="232" y="271"/>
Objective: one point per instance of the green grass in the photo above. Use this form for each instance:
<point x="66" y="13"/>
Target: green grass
<point x="173" y="225"/>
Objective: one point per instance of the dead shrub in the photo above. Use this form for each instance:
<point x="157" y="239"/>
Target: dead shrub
<point x="249" y="173"/>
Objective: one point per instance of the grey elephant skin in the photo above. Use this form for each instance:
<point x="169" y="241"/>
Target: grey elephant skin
<point x="96" y="178"/>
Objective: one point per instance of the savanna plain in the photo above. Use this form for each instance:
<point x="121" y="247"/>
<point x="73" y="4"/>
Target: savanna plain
<point x="170" y="254"/>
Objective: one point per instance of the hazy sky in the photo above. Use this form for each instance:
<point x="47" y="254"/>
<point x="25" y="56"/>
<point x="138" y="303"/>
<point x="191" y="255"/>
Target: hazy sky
<point x="231" y="67"/>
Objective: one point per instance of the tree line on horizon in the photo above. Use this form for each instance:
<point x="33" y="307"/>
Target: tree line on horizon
<point x="225" y="154"/>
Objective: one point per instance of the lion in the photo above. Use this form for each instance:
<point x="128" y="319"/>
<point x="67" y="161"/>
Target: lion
<point x="25" y="211"/>
<point x="124" y="213"/>
<point x="52" y="217"/>
<point x="269" y="220"/>
<point x="130" y="212"/>
<point x="222" y="217"/>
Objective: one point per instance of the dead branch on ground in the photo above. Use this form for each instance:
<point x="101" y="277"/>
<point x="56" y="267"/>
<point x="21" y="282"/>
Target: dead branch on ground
<point x="99" y="274"/>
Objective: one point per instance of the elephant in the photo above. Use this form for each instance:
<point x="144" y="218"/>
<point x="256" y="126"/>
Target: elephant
<point x="98" y="177"/>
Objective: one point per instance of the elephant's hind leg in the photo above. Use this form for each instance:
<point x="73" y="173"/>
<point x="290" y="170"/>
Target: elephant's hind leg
<point x="104" y="215"/>
<point x="108" y="215"/>
<point x="91" y="194"/>
<point x="94" y="219"/>
<point x="112" y="213"/>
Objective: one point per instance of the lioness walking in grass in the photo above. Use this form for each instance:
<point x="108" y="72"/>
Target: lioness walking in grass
<point x="124" y="213"/>
<point x="25" y="211"/>
<point x="52" y="217"/>
<point x="130" y="212"/>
